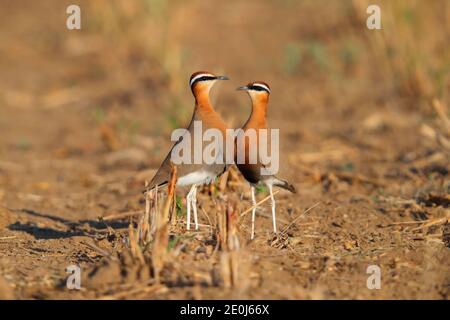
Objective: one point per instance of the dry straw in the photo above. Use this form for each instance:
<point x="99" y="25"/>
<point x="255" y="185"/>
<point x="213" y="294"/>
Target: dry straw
<point x="228" y="237"/>
<point x="159" y="250"/>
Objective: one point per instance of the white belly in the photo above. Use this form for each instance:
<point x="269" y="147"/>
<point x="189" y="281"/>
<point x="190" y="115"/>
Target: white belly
<point x="198" y="177"/>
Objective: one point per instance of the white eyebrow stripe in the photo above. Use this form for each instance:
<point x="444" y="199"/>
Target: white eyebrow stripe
<point x="262" y="86"/>
<point x="199" y="76"/>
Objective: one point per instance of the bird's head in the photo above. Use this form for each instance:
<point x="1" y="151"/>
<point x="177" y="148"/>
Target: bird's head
<point x="202" y="81"/>
<point x="258" y="90"/>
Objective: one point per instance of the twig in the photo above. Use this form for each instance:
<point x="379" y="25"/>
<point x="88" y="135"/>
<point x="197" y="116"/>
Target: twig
<point x="7" y="238"/>
<point x="258" y="203"/>
<point x="299" y="216"/>
<point x="407" y="222"/>
<point x="431" y="223"/>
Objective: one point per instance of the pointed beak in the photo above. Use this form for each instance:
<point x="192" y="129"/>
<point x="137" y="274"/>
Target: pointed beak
<point x="242" y="88"/>
<point x="222" y="78"/>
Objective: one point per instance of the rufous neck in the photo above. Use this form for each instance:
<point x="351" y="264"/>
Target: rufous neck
<point x="202" y="101"/>
<point x="259" y="109"/>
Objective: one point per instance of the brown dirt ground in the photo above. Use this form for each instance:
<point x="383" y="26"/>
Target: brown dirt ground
<point x="85" y="119"/>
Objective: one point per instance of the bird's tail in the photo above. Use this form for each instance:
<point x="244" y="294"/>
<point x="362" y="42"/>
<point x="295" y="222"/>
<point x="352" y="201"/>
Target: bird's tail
<point x="284" y="184"/>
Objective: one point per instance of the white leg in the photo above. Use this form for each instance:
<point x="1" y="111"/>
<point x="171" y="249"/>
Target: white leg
<point x="273" y="209"/>
<point x="188" y="211"/>
<point x="188" y="205"/>
<point x="194" y="206"/>
<point x="253" y="211"/>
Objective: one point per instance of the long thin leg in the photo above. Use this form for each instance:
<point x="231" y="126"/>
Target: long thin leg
<point x="253" y="211"/>
<point x="188" y="204"/>
<point x="273" y="209"/>
<point x="194" y="206"/>
<point x="188" y="211"/>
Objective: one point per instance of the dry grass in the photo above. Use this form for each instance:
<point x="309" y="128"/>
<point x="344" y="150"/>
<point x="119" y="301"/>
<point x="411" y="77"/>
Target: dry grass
<point x="160" y="246"/>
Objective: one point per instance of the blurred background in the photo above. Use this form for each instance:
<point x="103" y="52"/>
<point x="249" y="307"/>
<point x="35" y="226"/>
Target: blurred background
<point x="126" y="71"/>
<point x="86" y="115"/>
<point x="121" y="82"/>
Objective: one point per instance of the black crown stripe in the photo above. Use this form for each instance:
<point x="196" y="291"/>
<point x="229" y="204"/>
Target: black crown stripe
<point x="204" y="78"/>
<point x="258" y="88"/>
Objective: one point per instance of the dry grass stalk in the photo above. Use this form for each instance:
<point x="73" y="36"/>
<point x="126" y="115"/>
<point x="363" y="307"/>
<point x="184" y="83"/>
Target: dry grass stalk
<point x="223" y="181"/>
<point x="173" y="211"/>
<point x="210" y="225"/>
<point x="426" y="161"/>
<point x="135" y="248"/>
<point x="221" y="229"/>
<point x="433" y="222"/>
<point x="443" y="138"/>
<point x="433" y="134"/>
<point x="8" y="238"/>
<point x="159" y="252"/>
<point x="230" y="245"/>
<point x="442" y="113"/>
<point x="144" y="234"/>
<point x="225" y="270"/>
<point x="232" y="228"/>
<point x="234" y="176"/>
<point x="154" y="212"/>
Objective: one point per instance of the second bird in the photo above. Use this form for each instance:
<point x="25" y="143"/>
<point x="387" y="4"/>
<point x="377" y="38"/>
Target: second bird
<point x="259" y="93"/>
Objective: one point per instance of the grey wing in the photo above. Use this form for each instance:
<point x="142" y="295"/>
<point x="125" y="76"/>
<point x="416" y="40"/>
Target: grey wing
<point x="162" y="176"/>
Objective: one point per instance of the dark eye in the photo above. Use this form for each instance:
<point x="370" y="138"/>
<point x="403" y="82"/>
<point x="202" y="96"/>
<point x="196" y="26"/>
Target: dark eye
<point x="205" y="78"/>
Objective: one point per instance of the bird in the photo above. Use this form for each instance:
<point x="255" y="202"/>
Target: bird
<point x="259" y="93"/>
<point x="195" y="174"/>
